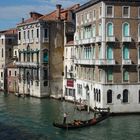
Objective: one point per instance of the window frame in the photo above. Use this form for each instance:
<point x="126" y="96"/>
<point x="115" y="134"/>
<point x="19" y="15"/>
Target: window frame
<point x="124" y="72"/>
<point x="94" y="14"/>
<point x="107" y="29"/>
<point x="109" y="96"/>
<point x="125" y="98"/>
<point x="123" y="32"/>
<point x="110" y="73"/>
<point x="107" y="15"/>
<point x="124" y="16"/>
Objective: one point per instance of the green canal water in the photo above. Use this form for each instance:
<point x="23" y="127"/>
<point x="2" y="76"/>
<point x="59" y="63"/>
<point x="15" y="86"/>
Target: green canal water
<point x="31" y="119"/>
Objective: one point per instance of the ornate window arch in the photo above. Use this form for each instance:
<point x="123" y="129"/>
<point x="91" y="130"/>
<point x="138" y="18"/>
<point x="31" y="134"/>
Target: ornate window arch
<point x="126" y="29"/>
<point x="109" y="96"/>
<point x="110" y="29"/>
<point x="125" y="96"/>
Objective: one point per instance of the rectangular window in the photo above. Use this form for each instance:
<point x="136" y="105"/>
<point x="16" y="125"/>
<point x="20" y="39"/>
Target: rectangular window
<point x="19" y="35"/>
<point x="139" y="96"/>
<point x="100" y="75"/>
<point x="9" y="73"/>
<point x="1" y="41"/>
<point x="79" y="89"/>
<point x="45" y="33"/>
<point x="93" y="74"/>
<point x="24" y="34"/>
<point x="1" y="74"/>
<point x="15" y="73"/>
<point x="32" y="33"/>
<point x="125" y="11"/>
<point x="82" y="19"/>
<point x="125" y="76"/>
<point x="37" y="33"/>
<point x="109" y="75"/>
<point x="2" y="52"/>
<point x="94" y="14"/>
<point x="100" y="12"/>
<point x="28" y="35"/>
<point x="109" y="11"/>
<point x="45" y="74"/>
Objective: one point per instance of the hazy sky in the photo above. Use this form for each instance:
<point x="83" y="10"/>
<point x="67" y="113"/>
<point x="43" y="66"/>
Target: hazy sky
<point x="12" y="11"/>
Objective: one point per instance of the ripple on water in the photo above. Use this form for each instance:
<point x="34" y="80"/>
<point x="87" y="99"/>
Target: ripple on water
<point x="31" y="119"/>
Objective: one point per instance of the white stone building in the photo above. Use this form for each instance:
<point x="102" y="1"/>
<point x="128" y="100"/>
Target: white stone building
<point x="107" y="54"/>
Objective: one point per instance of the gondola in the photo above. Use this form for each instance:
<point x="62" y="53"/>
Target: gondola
<point x="79" y="123"/>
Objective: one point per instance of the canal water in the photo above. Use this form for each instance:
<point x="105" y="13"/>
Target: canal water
<point x="31" y="119"/>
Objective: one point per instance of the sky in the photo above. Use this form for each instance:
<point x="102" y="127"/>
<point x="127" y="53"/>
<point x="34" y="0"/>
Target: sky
<point x="12" y="11"/>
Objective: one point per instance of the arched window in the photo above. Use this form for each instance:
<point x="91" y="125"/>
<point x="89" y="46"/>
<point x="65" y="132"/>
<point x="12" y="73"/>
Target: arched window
<point x="94" y="31"/>
<point x="109" y="96"/>
<point x="109" y="52"/>
<point x="125" y="96"/>
<point x="100" y="30"/>
<point x="125" y="29"/>
<point x="109" y="29"/>
<point x="45" y="57"/>
<point x="109" y="75"/>
<point x="125" y="76"/>
<point x="125" y="51"/>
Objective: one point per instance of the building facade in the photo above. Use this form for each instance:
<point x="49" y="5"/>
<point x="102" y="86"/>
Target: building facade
<point x="41" y="47"/>
<point x="8" y="39"/>
<point x="69" y="72"/>
<point x="107" y="54"/>
<point x="33" y="37"/>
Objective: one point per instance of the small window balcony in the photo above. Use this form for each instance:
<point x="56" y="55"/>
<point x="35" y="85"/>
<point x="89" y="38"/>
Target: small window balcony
<point x="92" y="40"/>
<point x="98" y="39"/>
<point x="45" y="40"/>
<point x="126" y="62"/>
<point x="105" y="62"/>
<point x="110" y="39"/>
<point x="84" y="61"/>
<point x="126" y="39"/>
<point x="86" y="41"/>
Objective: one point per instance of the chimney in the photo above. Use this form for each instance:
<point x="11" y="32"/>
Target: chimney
<point x="22" y="20"/>
<point x="58" y="11"/>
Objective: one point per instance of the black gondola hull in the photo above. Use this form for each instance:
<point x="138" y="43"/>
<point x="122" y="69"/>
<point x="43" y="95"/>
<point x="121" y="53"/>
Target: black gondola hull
<point x="83" y="124"/>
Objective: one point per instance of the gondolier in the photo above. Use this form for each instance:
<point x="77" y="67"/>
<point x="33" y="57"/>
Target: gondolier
<point x="65" y="118"/>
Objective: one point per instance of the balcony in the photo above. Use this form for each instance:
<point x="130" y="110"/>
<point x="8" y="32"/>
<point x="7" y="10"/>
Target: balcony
<point x="98" y="39"/>
<point x="84" y="61"/>
<point x="27" y="64"/>
<point x="45" y="40"/>
<point x="126" y="39"/>
<point x="126" y="62"/>
<point x="85" y="41"/>
<point x="105" y="62"/>
<point x="92" y="40"/>
<point x="110" y="39"/>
